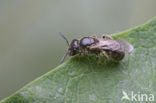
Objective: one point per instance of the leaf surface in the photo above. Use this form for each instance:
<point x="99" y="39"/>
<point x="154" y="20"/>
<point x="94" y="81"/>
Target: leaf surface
<point x="82" y="80"/>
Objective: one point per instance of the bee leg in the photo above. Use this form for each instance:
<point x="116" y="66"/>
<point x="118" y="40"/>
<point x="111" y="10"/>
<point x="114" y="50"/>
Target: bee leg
<point x="94" y="35"/>
<point x="98" y="57"/>
<point x="107" y="37"/>
<point x="82" y="52"/>
<point x="105" y="55"/>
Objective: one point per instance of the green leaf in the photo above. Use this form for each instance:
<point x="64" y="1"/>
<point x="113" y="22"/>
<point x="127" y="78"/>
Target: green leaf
<point x="82" y="80"/>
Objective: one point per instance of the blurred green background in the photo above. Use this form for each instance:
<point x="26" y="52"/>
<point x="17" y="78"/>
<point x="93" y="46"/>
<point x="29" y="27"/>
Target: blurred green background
<point x="29" y="42"/>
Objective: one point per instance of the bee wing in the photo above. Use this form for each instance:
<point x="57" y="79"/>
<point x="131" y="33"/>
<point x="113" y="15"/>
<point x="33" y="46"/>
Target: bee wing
<point x="125" y="45"/>
<point x="106" y="45"/>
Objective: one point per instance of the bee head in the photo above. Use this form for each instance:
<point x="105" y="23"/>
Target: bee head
<point x="74" y="47"/>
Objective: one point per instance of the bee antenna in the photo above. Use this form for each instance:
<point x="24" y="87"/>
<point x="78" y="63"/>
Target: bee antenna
<point x="62" y="35"/>
<point x="63" y="58"/>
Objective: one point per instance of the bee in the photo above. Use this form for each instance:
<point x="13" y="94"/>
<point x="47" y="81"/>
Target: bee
<point x="103" y="47"/>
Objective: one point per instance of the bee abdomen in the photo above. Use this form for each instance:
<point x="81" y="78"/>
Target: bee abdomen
<point x="116" y="55"/>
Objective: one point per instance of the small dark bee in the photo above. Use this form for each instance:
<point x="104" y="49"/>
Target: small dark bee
<point x="79" y="46"/>
<point x="102" y="47"/>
